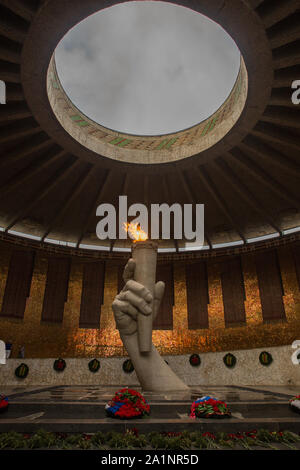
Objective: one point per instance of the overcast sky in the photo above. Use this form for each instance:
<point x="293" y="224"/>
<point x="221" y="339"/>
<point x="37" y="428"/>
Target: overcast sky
<point x="147" y="67"/>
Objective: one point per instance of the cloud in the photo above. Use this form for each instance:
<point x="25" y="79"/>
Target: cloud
<point x="147" y="68"/>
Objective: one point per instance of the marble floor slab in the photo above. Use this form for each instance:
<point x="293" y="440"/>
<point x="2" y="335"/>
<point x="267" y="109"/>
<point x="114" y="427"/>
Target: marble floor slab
<point x="82" y="409"/>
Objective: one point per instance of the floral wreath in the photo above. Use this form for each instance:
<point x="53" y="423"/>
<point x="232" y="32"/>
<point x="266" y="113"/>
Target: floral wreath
<point x="127" y="404"/>
<point x="195" y="360"/>
<point x="59" y="365"/>
<point x="209" y="407"/>
<point x="94" y="365"/>
<point x="294" y="404"/>
<point x="229" y="360"/>
<point x="22" y="371"/>
<point x="128" y="366"/>
<point x="265" y="358"/>
<point x="3" y="403"/>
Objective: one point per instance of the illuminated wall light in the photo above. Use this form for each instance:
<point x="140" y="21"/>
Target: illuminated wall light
<point x="95" y="247"/>
<point x="120" y="249"/>
<point x="24" y="235"/>
<point x="166" y="250"/>
<point x="194" y="248"/>
<point x="2" y="92"/>
<point x="264" y="237"/>
<point x="54" y="242"/>
<point x="229" y="244"/>
<point x="291" y="230"/>
<point x="60" y="242"/>
<point x="160" y="250"/>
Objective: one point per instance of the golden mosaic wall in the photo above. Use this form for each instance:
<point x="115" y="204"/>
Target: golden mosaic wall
<point x="67" y="340"/>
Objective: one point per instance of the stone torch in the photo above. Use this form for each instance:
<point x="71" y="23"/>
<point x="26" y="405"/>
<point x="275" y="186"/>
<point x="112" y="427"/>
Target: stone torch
<point x="144" y="252"/>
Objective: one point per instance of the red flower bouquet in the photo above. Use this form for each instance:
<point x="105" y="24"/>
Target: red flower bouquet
<point x="3" y="403"/>
<point x="127" y="404"/>
<point x="208" y="407"/>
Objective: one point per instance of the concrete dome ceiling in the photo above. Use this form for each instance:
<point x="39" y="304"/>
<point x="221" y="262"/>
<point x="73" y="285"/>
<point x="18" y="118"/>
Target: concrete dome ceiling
<point x="50" y="184"/>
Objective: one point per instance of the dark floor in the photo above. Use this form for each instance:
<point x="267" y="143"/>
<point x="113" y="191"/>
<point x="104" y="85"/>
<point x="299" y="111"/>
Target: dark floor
<point x="81" y="409"/>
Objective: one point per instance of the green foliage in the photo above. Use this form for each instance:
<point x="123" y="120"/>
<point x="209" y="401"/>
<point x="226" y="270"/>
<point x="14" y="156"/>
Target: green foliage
<point x="117" y="441"/>
<point x="264" y="438"/>
<point x="178" y="443"/>
<point x="155" y="440"/>
<point x="73" y="439"/>
<point x="99" y="439"/>
<point x="84" y="443"/>
<point x="135" y="441"/>
<point x="290" y="436"/>
<point x="226" y="443"/>
<point x="171" y="442"/>
<point x="41" y="439"/>
<point x="11" y="440"/>
<point x="201" y="441"/>
<point x="264" y="435"/>
<point x="121" y="441"/>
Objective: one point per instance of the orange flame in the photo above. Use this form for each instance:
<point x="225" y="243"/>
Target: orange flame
<point x="136" y="232"/>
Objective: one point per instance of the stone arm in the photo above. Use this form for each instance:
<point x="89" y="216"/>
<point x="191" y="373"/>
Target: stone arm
<point x="151" y="369"/>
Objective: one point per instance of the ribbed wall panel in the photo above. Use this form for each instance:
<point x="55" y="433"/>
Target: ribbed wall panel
<point x="296" y="253"/>
<point x="197" y="296"/>
<point x="92" y="295"/>
<point x="56" y="291"/>
<point x="270" y="286"/>
<point x="233" y="292"/>
<point x="18" y="284"/>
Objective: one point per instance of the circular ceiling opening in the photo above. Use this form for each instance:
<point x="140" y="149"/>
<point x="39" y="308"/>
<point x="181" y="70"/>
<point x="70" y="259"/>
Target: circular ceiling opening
<point x="147" y="82"/>
<point x="147" y="68"/>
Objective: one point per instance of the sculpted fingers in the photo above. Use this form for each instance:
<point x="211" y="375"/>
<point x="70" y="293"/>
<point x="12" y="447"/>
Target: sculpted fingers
<point x="126" y="307"/>
<point x="129" y="270"/>
<point x="138" y="302"/>
<point x="125" y="316"/>
<point x="138" y="289"/>
<point x="159" y="290"/>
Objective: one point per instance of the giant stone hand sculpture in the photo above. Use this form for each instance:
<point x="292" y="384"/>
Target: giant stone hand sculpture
<point x="134" y="300"/>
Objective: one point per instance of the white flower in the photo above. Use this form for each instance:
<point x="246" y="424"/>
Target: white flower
<point x="296" y="403"/>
